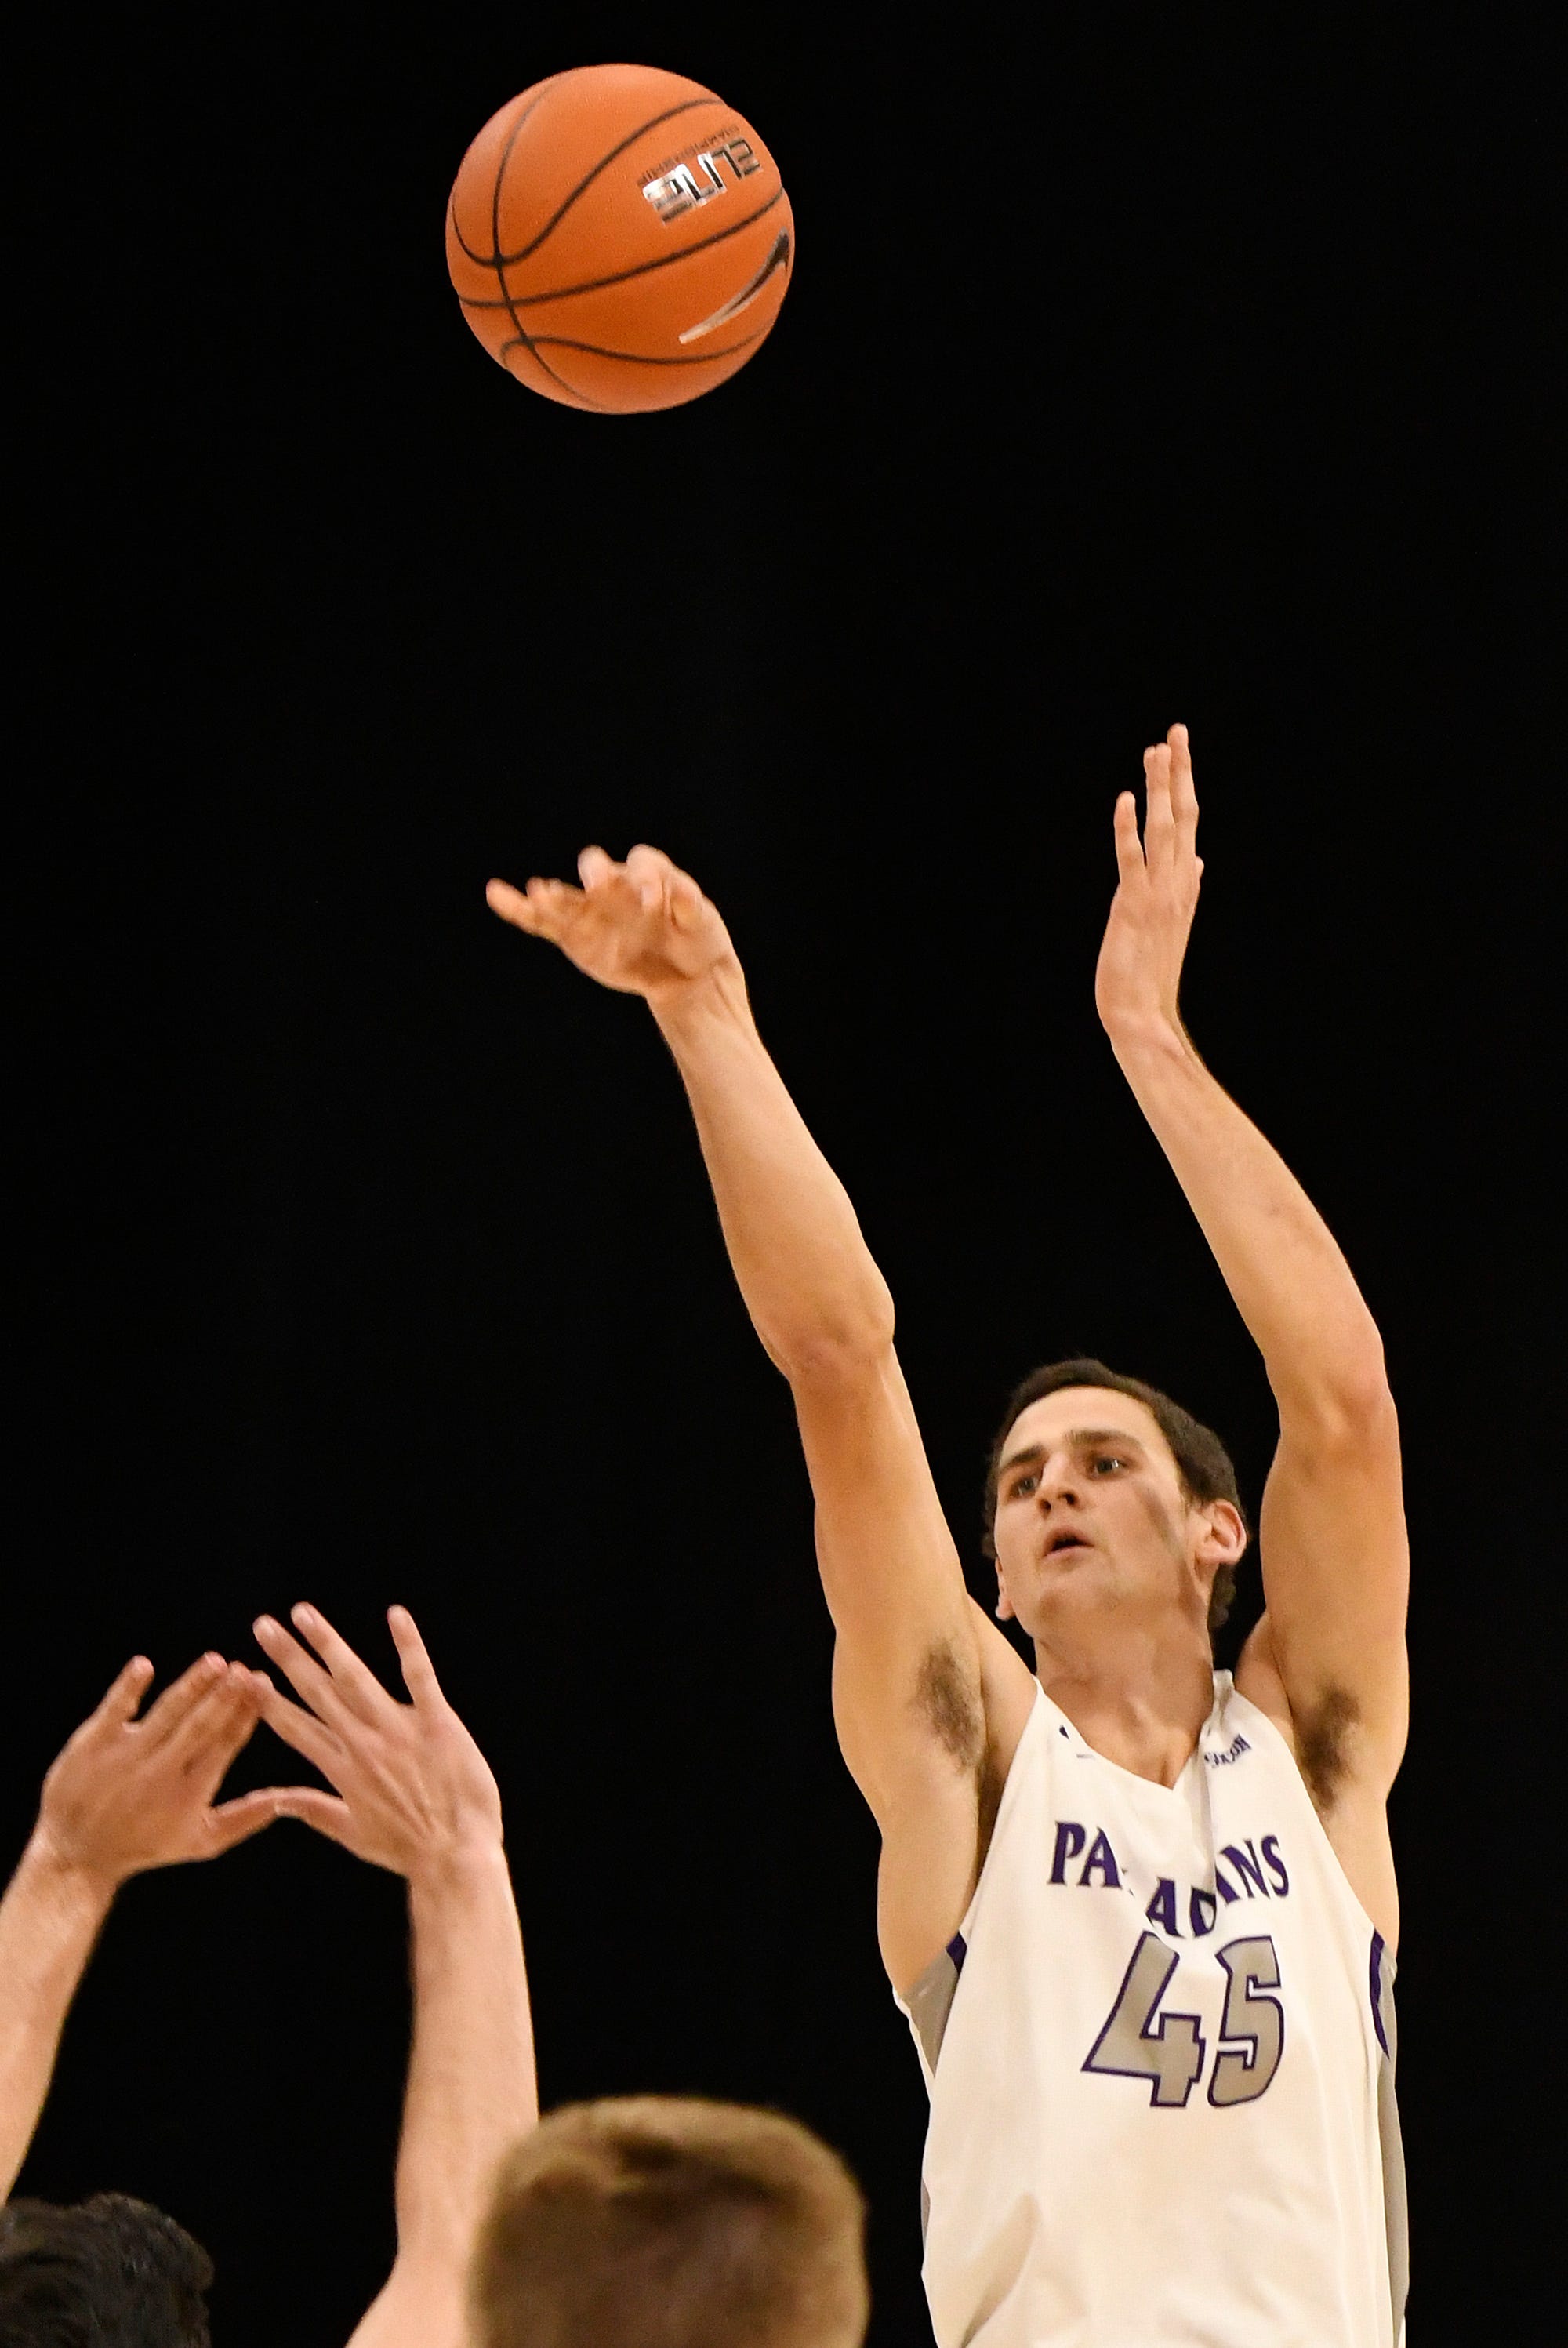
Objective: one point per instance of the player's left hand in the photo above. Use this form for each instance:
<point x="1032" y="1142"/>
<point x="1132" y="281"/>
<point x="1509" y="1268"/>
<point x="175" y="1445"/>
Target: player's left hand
<point x="1139" y="974"/>
<point x="127" y="1795"/>
<point x="413" y="1792"/>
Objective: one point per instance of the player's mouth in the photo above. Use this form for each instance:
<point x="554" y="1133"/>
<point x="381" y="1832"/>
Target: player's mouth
<point x="1067" y="1544"/>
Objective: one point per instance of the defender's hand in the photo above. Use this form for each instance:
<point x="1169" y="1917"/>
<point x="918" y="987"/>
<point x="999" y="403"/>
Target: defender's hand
<point x="127" y="1795"/>
<point x="643" y="927"/>
<point x="1140" y="968"/>
<point x="413" y="1790"/>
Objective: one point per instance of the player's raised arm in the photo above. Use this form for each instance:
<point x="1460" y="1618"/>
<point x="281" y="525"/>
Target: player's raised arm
<point x="124" y="1795"/>
<point x="926" y="1694"/>
<point x="414" y="1793"/>
<point x="1334" y="1552"/>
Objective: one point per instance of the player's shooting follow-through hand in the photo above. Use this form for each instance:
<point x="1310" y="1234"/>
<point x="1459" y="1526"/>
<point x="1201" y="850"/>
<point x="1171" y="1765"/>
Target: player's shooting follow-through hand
<point x="1139" y="974"/>
<point x="413" y="1792"/>
<point x="127" y="1795"/>
<point x="643" y="927"/>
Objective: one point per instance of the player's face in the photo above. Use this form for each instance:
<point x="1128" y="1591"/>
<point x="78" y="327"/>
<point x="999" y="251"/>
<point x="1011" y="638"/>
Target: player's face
<point x="1090" y="1514"/>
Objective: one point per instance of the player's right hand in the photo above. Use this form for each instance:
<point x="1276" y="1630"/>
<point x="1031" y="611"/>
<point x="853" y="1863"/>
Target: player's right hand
<point x="643" y="927"/>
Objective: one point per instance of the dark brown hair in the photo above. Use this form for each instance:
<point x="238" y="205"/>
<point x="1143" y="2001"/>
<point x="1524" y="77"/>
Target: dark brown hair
<point x="108" y="2268"/>
<point x="662" y="2222"/>
<point x="1203" y="1463"/>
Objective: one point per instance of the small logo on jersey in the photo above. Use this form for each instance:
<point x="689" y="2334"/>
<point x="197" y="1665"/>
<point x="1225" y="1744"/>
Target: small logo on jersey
<point x="685" y="185"/>
<point x="1238" y="1745"/>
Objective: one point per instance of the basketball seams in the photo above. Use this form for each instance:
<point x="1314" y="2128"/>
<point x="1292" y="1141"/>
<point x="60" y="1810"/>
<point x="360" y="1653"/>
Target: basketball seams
<point x="510" y="259"/>
<point x="515" y="302"/>
<point x="487" y="261"/>
<point x="499" y="266"/>
<point x="566" y="394"/>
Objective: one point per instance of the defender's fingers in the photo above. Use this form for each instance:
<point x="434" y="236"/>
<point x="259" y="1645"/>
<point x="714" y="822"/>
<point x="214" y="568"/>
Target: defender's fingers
<point x="214" y="1731"/>
<point x="302" y="1733"/>
<point x="325" y="1812"/>
<point x="180" y="1697"/>
<point x="307" y="1677"/>
<point x="418" y="1670"/>
<point x="595" y="867"/>
<point x="1128" y="848"/>
<point x="228" y="1823"/>
<point x="121" y="1698"/>
<point x="350" y="1674"/>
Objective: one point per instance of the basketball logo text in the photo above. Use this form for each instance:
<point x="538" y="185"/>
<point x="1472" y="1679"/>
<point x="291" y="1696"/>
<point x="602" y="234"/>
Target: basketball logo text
<point x="687" y="184"/>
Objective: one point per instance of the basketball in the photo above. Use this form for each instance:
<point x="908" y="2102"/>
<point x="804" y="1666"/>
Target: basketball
<point x="620" y="239"/>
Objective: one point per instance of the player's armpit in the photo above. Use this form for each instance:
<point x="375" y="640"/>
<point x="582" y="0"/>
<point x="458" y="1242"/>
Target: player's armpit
<point x="1335" y="1555"/>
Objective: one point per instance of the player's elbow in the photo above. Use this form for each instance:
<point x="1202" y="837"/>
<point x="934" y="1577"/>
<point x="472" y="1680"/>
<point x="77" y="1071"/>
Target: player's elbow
<point x="1348" y="1408"/>
<point x="837" y="1358"/>
<point x="837" y="1343"/>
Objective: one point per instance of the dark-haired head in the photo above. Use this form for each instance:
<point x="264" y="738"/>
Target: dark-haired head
<point x="1203" y="1470"/>
<point x="108" y="2271"/>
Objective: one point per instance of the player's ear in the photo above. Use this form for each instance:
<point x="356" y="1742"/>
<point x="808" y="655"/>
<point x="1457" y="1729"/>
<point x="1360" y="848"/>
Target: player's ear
<point x="1225" y="1537"/>
<point x="1004" y="1604"/>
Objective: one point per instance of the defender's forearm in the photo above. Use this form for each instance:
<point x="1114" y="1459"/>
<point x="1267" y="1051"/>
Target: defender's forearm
<point x="49" y="1919"/>
<point x="807" y="1276"/>
<point x="1292" y="1286"/>
<point x="471" y="2083"/>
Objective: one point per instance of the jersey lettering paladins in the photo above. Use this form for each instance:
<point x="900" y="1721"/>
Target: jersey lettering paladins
<point x="1160" y="2052"/>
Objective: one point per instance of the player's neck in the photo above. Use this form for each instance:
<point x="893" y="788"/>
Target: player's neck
<point x="1139" y="1697"/>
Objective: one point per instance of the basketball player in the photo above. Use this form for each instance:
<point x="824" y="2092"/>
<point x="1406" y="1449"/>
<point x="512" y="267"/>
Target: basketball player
<point x="1142" y="1918"/>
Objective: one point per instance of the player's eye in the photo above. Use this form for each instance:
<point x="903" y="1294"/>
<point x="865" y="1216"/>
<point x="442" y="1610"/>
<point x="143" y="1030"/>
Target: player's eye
<point x="1022" y="1485"/>
<point x="1105" y="1462"/>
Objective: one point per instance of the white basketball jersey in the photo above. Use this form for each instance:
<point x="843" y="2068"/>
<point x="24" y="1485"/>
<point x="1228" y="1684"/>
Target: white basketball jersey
<point x="1160" y="2053"/>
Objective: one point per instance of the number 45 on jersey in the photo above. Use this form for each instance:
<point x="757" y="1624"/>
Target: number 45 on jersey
<point x="1139" y="2042"/>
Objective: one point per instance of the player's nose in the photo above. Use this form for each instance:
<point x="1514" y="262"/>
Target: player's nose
<point x="1058" y="1488"/>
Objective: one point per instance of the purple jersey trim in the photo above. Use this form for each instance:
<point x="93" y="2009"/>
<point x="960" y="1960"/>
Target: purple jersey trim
<point x="1375" y="1983"/>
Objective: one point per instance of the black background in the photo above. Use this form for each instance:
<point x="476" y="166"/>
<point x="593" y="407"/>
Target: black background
<point x="1145" y="364"/>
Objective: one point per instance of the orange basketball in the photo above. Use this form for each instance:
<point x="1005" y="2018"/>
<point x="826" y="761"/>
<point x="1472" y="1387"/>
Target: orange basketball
<point x="620" y="237"/>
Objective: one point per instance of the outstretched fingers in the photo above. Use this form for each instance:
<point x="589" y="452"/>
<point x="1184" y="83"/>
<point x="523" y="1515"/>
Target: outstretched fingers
<point x="310" y="1680"/>
<point x="418" y="1670"/>
<point x="208" y="1738"/>
<point x="511" y="904"/>
<point x="181" y="1699"/>
<point x="301" y="1732"/>
<point x="121" y="1699"/>
<point x="1129" y="848"/>
<point x="1183" y="792"/>
<point x="1159" y="817"/>
<point x="351" y="1676"/>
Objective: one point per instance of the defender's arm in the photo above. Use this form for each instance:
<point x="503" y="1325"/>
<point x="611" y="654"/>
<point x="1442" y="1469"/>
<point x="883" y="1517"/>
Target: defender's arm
<point x="414" y="1793"/>
<point x="124" y="1795"/>
<point x="917" y="1669"/>
<point x="1334" y="1549"/>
